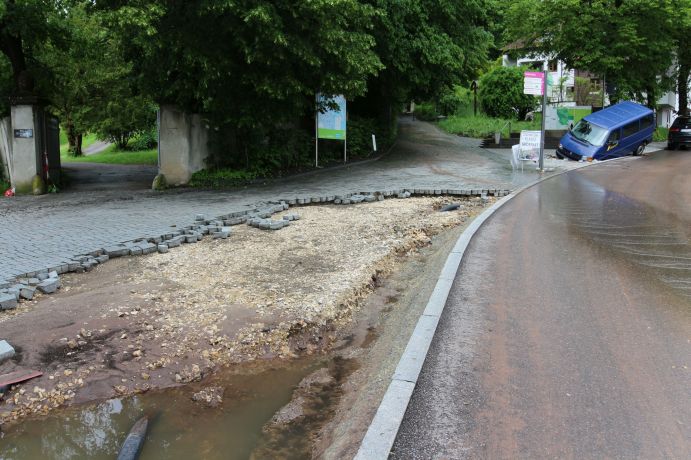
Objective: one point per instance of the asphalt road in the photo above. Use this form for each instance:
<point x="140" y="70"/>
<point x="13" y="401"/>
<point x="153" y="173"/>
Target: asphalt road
<point x="567" y="333"/>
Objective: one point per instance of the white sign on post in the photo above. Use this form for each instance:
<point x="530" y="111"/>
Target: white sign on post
<point x="530" y="143"/>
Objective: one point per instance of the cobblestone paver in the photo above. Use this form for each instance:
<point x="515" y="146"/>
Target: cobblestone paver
<point x="36" y="233"/>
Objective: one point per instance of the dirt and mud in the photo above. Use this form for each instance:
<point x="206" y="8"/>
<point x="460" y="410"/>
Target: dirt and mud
<point x="165" y="320"/>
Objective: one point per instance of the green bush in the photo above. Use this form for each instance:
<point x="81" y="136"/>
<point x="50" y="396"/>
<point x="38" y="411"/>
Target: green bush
<point x="501" y="94"/>
<point x="146" y="140"/>
<point x="282" y="149"/>
<point x="221" y="178"/>
<point x="359" y="135"/>
<point x="457" y="101"/>
<point x="425" y="111"/>
<point x="259" y="149"/>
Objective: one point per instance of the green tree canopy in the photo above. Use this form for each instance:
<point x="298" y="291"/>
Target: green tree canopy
<point x="245" y="61"/>
<point x="87" y="81"/>
<point x="25" y="25"/>
<point x="501" y="93"/>
<point x="630" y="42"/>
<point x="429" y="45"/>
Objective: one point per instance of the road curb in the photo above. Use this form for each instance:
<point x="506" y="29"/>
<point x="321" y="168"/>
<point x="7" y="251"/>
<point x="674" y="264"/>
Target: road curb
<point x="384" y="427"/>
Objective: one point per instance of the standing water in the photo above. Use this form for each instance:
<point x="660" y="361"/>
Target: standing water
<point x="179" y="428"/>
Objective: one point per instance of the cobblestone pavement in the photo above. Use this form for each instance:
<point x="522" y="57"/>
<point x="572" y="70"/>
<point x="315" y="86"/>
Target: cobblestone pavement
<point x="38" y="232"/>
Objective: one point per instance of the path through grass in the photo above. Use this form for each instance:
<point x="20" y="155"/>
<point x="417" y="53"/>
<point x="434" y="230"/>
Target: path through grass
<point x="113" y="156"/>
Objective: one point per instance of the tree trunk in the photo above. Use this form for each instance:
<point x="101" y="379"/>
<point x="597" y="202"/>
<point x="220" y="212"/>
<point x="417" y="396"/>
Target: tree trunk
<point x="74" y="139"/>
<point x="652" y="99"/>
<point x="683" y="87"/>
<point x="11" y="46"/>
<point x="78" y="151"/>
<point x="121" y="141"/>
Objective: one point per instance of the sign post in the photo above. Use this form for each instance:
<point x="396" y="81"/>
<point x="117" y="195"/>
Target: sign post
<point x="331" y="124"/>
<point x="535" y="83"/>
<point x="541" y="165"/>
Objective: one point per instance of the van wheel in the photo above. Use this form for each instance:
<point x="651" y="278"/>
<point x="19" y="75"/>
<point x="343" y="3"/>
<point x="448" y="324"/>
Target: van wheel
<point x="639" y="150"/>
<point x="671" y="146"/>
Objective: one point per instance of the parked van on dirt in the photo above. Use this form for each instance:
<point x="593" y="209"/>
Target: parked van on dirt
<point x="618" y="130"/>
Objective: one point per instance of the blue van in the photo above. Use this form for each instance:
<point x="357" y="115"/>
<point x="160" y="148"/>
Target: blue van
<point x="618" y="130"/>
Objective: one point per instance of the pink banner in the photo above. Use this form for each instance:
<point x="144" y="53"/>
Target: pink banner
<point x="533" y="74"/>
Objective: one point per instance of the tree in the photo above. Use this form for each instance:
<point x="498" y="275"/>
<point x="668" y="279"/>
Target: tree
<point x="626" y="41"/>
<point x="251" y="66"/>
<point x="426" y="46"/>
<point x="121" y="118"/>
<point x="6" y="86"/>
<point x="24" y="26"/>
<point x="249" y="60"/>
<point x="681" y="9"/>
<point x="87" y="81"/>
<point x="501" y="93"/>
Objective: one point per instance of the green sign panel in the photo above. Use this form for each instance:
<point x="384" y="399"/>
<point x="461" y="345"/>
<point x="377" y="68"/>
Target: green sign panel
<point x="332" y="123"/>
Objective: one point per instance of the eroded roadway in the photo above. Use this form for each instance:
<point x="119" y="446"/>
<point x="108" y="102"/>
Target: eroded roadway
<point x="112" y="205"/>
<point x="567" y="333"/>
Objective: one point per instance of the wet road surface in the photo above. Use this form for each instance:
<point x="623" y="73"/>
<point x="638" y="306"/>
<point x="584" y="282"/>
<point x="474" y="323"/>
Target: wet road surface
<point x="567" y="333"/>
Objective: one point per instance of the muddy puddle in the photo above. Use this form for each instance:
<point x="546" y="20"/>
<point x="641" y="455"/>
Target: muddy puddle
<point x="179" y="427"/>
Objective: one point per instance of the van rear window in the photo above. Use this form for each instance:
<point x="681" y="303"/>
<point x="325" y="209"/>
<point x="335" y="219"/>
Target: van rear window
<point x="647" y="121"/>
<point x="631" y="128"/>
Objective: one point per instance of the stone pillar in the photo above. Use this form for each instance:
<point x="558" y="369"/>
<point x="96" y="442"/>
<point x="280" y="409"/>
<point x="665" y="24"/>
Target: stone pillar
<point x="26" y="146"/>
<point x="182" y="146"/>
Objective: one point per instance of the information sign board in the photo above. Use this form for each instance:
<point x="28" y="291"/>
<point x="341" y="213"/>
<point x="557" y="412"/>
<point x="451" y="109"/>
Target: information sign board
<point x="533" y="83"/>
<point x="530" y="139"/>
<point x="332" y="123"/>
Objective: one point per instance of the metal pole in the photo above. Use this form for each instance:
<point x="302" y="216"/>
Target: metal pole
<point x="541" y="164"/>
<point x="345" y="138"/>
<point x="316" y="138"/>
<point x="158" y="138"/>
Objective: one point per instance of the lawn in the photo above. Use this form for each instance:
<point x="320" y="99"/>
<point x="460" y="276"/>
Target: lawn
<point x="482" y="126"/>
<point x="113" y="156"/>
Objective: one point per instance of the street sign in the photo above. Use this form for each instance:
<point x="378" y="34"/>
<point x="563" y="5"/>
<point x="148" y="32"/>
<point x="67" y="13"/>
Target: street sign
<point x="23" y="133"/>
<point x="533" y="83"/>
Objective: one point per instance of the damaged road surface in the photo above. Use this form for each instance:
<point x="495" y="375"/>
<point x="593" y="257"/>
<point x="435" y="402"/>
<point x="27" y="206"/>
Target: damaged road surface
<point x="567" y="333"/>
<point x="261" y="309"/>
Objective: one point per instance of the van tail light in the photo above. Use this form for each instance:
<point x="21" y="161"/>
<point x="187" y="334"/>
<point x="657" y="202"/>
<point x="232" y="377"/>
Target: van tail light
<point x="674" y="130"/>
